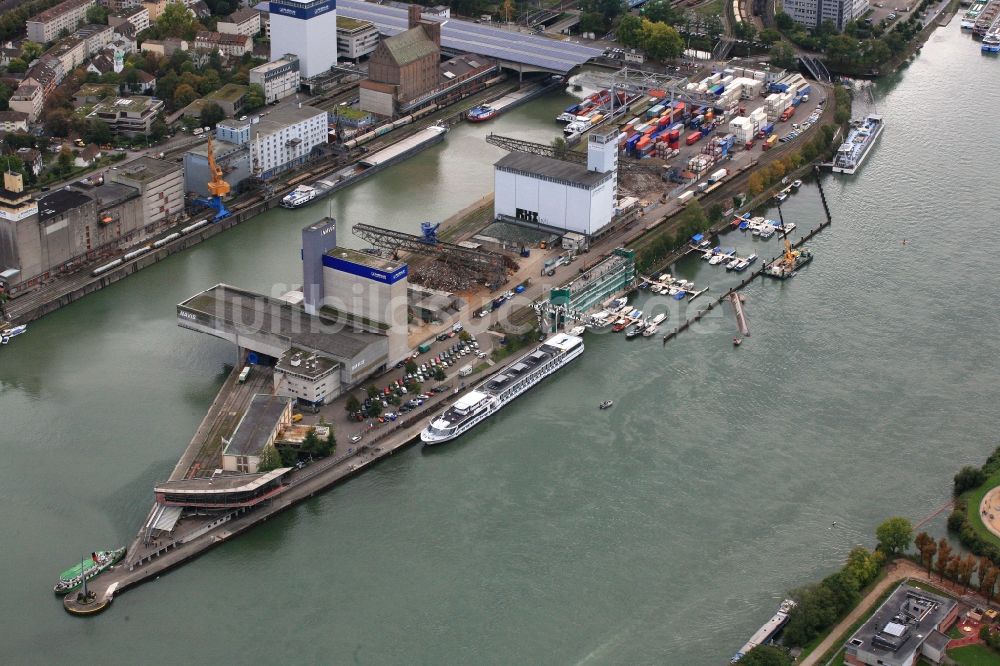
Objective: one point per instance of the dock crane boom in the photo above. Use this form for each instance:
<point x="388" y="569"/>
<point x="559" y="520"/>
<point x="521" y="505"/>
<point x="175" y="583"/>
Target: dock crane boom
<point x="217" y="187"/>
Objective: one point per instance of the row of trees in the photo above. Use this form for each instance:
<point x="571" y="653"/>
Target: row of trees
<point x="939" y="556"/>
<point x="860" y="49"/>
<point x="658" y="39"/>
<point x="959" y="523"/>
<point x="690" y="221"/>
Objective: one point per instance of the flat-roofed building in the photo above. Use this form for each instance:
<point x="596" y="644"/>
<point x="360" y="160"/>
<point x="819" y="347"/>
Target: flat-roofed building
<point x="129" y="116"/>
<point x="910" y="624"/>
<point x="160" y="184"/>
<point x="258" y="429"/>
<point x="305" y="28"/>
<point x="355" y="38"/>
<point x="285" y="138"/>
<point x="13" y="121"/>
<point x="279" y="78"/>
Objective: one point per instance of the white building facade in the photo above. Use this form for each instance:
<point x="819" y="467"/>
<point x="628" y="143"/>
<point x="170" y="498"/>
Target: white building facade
<point x="279" y="78"/>
<point x="558" y="195"/>
<point x="812" y="13"/>
<point x="307" y="28"/>
<point x="285" y="138"/>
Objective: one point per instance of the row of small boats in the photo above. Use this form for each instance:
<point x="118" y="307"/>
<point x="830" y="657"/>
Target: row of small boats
<point x="729" y="259"/>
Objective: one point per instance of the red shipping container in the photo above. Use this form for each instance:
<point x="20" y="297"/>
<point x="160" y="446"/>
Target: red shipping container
<point x="675" y="145"/>
<point x="693" y="138"/>
<point x="664" y="120"/>
<point x="643" y="142"/>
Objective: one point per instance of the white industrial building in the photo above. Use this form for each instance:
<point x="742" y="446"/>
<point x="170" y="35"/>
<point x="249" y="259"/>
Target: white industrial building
<point x="284" y="138"/>
<point x="559" y="195"/>
<point x="279" y="78"/>
<point x="355" y="38"/>
<point x="307" y="28"/>
<point x="812" y="13"/>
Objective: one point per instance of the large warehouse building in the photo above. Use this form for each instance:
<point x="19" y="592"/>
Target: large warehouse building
<point x="556" y="195"/>
<point x="349" y="322"/>
<point x="307" y="28"/>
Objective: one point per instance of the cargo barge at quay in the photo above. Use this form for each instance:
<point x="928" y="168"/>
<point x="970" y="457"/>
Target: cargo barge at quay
<point x="478" y="404"/>
<point x="767" y="630"/>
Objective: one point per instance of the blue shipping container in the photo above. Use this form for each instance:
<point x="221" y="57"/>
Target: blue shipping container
<point x="705" y="130"/>
<point x="796" y="101"/>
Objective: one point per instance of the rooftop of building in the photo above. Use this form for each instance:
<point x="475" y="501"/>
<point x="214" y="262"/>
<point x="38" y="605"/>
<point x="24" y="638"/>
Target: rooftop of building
<point x="221" y="37"/>
<point x="278" y="62"/>
<point x="12" y="116"/>
<point x="129" y="12"/>
<point x="135" y="104"/>
<point x="233" y="124"/>
<point x="902" y="623"/>
<point x="352" y="25"/>
<point x="108" y="194"/>
<point x="241" y="15"/>
<point x="220" y="484"/>
<point x="549" y="167"/>
<point x="306" y="363"/>
<point x="461" y="65"/>
<point x="146" y="168"/>
<point x="58" y="10"/>
<point x="366" y="259"/>
<point x="283" y="319"/>
<point x="92" y="29"/>
<point x="282" y="117"/>
<point x="258" y="424"/>
<point x="231" y="92"/>
<point x="411" y="45"/>
<point x="60" y="201"/>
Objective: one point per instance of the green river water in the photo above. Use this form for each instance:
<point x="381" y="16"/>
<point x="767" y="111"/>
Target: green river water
<point x="662" y="531"/>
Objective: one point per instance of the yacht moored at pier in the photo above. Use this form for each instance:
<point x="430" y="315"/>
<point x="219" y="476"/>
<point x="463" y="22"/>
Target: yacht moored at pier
<point x="98" y="562"/>
<point x="476" y="405"/>
<point x="857" y="146"/>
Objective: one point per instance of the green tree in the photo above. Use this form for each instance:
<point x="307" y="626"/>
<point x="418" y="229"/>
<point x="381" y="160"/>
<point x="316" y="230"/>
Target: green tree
<point x="755" y="184"/>
<point x="894" y="535"/>
<point x="176" y="21"/>
<point x="863" y="565"/>
<point x="64" y="163"/>
<point x="184" y="95"/>
<point x="13" y="163"/>
<point x="766" y="655"/>
<point x="372" y="391"/>
<point x="661" y="41"/>
<point x="310" y="442"/>
<point x="270" y="459"/>
<point x="326" y="445"/>
<point x="375" y="409"/>
<point x="289" y="456"/>
<point x="98" y="132"/>
<point x="593" y="22"/>
<point x="17" y="66"/>
<point x="31" y="50"/>
<point x="211" y="114"/>
<point x="662" y="11"/>
<point x="411" y="366"/>
<point x="255" y="97"/>
<point x="630" y="31"/>
<point x="464" y="336"/>
<point x="352" y="404"/>
<point x="715" y="212"/>
<point x="439" y="374"/>
<point x="967" y="478"/>
<point x="158" y="130"/>
<point x="784" y="21"/>
<point x="97" y="14"/>
<point x="559" y="146"/>
<point x="769" y="36"/>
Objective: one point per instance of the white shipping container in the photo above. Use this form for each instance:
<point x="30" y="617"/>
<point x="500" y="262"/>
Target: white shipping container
<point x="760" y="76"/>
<point x="727" y="79"/>
<point x="687" y="196"/>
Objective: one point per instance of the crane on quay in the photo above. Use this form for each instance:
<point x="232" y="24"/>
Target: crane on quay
<point x="217" y="188"/>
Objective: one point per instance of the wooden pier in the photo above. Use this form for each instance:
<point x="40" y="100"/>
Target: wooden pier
<point x="741" y="317"/>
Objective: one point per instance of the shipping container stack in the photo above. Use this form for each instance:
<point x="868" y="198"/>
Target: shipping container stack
<point x="700" y="164"/>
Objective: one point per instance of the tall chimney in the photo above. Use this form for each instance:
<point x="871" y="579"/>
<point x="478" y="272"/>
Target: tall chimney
<point x="414" y="15"/>
<point x="433" y="30"/>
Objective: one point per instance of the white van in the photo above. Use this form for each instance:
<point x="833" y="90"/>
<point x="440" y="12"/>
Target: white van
<point x="244" y="373"/>
<point x="465" y="371"/>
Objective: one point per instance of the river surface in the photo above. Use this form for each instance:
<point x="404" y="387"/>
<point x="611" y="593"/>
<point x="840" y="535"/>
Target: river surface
<point x="662" y="531"/>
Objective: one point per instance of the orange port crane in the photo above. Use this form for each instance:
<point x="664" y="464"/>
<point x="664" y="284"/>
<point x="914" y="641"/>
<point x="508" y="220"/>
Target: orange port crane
<point x="217" y="187"/>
